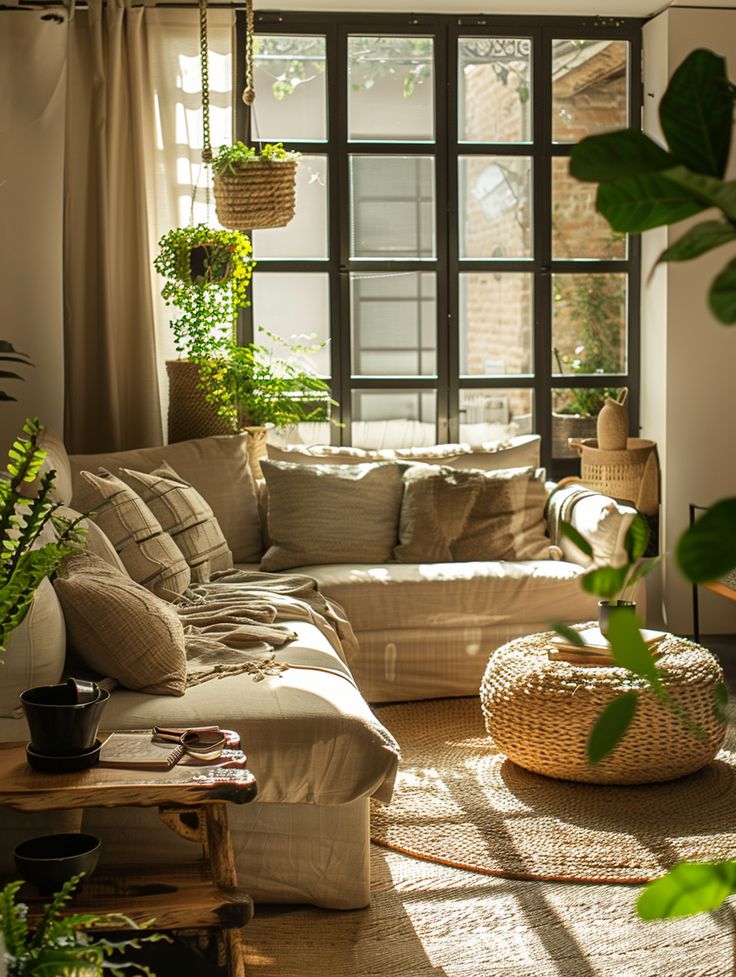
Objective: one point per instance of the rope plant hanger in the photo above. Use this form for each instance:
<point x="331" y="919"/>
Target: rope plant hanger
<point x="252" y="189"/>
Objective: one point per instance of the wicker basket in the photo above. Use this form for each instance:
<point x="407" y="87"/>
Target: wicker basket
<point x="190" y="416"/>
<point x="630" y="476"/>
<point x="262" y="194"/>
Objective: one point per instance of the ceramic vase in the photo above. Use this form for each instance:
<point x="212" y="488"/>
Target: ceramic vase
<point x="612" y="426"/>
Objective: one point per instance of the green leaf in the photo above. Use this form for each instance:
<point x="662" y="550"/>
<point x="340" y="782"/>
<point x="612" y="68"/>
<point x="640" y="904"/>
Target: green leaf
<point x="639" y="203"/>
<point x="644" y="568"/>
<point x="695" y="113"/>
<point x="722" y="294"/>
<point x="691" y="887"/>
<point x="708" y="189"/>
<point x="579" y="540"/>
<point x="698" y="240"/>
<point x="605" y="582"/>
<point x="707" y="549"/>
<point x="628" y="649"/>
<point x="616" y="155"/>
<point x="611" y="726"/>
<point x="569" y="634"/>
<point x="637" y="538"/>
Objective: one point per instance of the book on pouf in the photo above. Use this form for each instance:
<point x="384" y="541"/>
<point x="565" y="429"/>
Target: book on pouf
<point x="596" y="649"/>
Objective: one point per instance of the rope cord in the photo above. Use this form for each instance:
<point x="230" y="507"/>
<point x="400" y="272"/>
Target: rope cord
<point x="249" y="93"/>
<point x="205" y="67"/>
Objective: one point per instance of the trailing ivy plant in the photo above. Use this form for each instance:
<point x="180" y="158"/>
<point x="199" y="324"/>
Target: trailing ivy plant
<point x="234" y="159"/>
<point x="58" y="945"/>
<point x="26" y="508"/>
<point x="642" y="185"/>
<point x="207" y="273"/>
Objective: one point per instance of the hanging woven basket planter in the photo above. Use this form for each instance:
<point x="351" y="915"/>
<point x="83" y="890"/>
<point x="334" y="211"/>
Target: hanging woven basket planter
<point x="260" y="192"/>
<point x="253" y="190"/>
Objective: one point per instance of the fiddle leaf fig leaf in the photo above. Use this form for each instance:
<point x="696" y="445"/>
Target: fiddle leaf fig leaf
<point x="639" y="203"/>
<point x="605" y="582"/>
<point x="722" y="295"/>
<point x="691" y="887"/>
<point x="707" y="549"/>
<point x="695" y="113"/>
<point x="616" y="155"/>
<point x="567" y="529"/>
<point x="698" y="240"/>
<point x="709" y="189"/>
<point x="611" y="726"/>
<point x="637" y="538"/>
<point x="628" y="649"/>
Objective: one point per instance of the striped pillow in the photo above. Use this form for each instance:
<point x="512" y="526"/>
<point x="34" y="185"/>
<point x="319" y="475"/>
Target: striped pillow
<point x="186" y="517"/>
<point x="150" y="555"/>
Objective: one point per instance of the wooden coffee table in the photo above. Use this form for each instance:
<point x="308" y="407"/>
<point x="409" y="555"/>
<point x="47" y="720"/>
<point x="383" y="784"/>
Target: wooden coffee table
<point x="192" y="802"/>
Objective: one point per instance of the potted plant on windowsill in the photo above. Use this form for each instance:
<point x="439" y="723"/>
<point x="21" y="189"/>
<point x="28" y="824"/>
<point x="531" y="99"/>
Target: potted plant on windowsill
<point x="252" y="189"/>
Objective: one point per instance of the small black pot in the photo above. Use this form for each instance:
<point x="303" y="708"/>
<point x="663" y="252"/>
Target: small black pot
<point x="50" y="860"/>
<point x="607" y="608"/>
<point x="59" y="725"/>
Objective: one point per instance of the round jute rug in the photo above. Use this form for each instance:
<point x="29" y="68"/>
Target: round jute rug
<point x="461" y="803"/>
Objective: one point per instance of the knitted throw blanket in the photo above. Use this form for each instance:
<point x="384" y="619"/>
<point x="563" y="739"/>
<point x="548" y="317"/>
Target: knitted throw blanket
<point x="233" y="624"/>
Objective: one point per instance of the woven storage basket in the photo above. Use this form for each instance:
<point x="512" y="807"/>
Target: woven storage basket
<point x="190" y="416"/>
<point x="566" y="426"/>
<point x="540" y="712"/>
<point x="630" y="476"/>
<point x="262" y="194"/>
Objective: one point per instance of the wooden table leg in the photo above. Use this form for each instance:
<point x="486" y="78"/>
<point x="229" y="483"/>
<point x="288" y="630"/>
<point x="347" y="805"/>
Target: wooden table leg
<point x="219" y="849"/>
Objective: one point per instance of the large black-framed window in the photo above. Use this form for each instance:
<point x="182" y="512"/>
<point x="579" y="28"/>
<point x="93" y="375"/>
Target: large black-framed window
<point x="460" y="275"/>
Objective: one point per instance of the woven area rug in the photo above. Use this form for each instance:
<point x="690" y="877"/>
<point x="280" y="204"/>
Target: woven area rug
<point x="427" y="920"/>
<point x="460" y="803"/>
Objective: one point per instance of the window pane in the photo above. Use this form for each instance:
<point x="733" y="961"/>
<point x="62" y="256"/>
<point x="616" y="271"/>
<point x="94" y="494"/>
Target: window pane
<point x="394" y="324"/>
<point x="494" y="89"/>
<point x="578" y="230"/>
<point x="589" y="88"/>
<point x="391" y="88"/>
<point x="394" y="418"/>
<point x="296" y="308"/>
<point x="289" y="77"/>
<point x="488" y="415"/>
<point x="574" y="414"/>
<point x="495" y="324"/>
<point x="495" y="206"/>
<point x="305" y="236"/>
<point x="588" y="324"/>
<point x="392" y="207"/>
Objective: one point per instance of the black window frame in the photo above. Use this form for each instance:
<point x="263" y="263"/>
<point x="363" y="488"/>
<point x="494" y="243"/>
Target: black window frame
<point x="446" y="29"/>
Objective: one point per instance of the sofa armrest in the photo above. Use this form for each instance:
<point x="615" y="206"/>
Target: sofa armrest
<point x="599" y="518"/>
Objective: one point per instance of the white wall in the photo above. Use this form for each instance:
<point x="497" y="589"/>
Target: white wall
<point x="688" y="358"/>
<point x="32" y="84"/>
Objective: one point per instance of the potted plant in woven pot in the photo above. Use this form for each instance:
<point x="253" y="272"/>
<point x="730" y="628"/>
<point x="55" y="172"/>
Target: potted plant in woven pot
<point x="252" y="189"/>
<point x="207" y="273"/>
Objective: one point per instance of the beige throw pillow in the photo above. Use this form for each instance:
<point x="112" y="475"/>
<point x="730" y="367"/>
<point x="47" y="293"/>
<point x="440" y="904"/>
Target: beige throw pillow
<point x="150" y="555"/>
<point x="219" y="470"/>
<point x="186" y="517"/>
<point x="331" y="513"/>
<point x="455" y="516"/>
<point x="120" y="629"/>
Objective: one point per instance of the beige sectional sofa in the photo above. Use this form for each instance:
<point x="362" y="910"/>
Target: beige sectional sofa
<point x="317" y="750"/>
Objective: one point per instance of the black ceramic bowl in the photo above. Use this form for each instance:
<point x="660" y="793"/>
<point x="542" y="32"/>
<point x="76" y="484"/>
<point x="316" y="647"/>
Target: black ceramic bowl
<point x="59" y="725"/>
<point x="50" y="860"/>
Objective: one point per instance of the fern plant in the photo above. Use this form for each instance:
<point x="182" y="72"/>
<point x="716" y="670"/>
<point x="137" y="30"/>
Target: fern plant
<point x="8" y="354"/>
<point x="58" y="945"/>
<point x="26" y="508"/>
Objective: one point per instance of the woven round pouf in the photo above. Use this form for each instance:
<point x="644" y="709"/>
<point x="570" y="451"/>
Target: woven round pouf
<point x="540" y="712"/>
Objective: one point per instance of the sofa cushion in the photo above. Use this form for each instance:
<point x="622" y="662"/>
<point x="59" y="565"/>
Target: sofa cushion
<point x="96" y="542"/>
<point x="36" y="650"/>
<point x="602" y="521"/>
<point x="119" y="629"/>
<point x="57" y="460"/>
<point x="150" y="555"/>
<point x="516" y="452"/>
<point x="455" y="595"/>
<point x="331" y="513"/>
<point x="185" y="516"/>
<point x="218" y="469"/>
<point x="450" y="515"/>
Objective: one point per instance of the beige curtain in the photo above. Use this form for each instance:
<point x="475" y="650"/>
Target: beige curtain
<point x="111" y="383"/>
